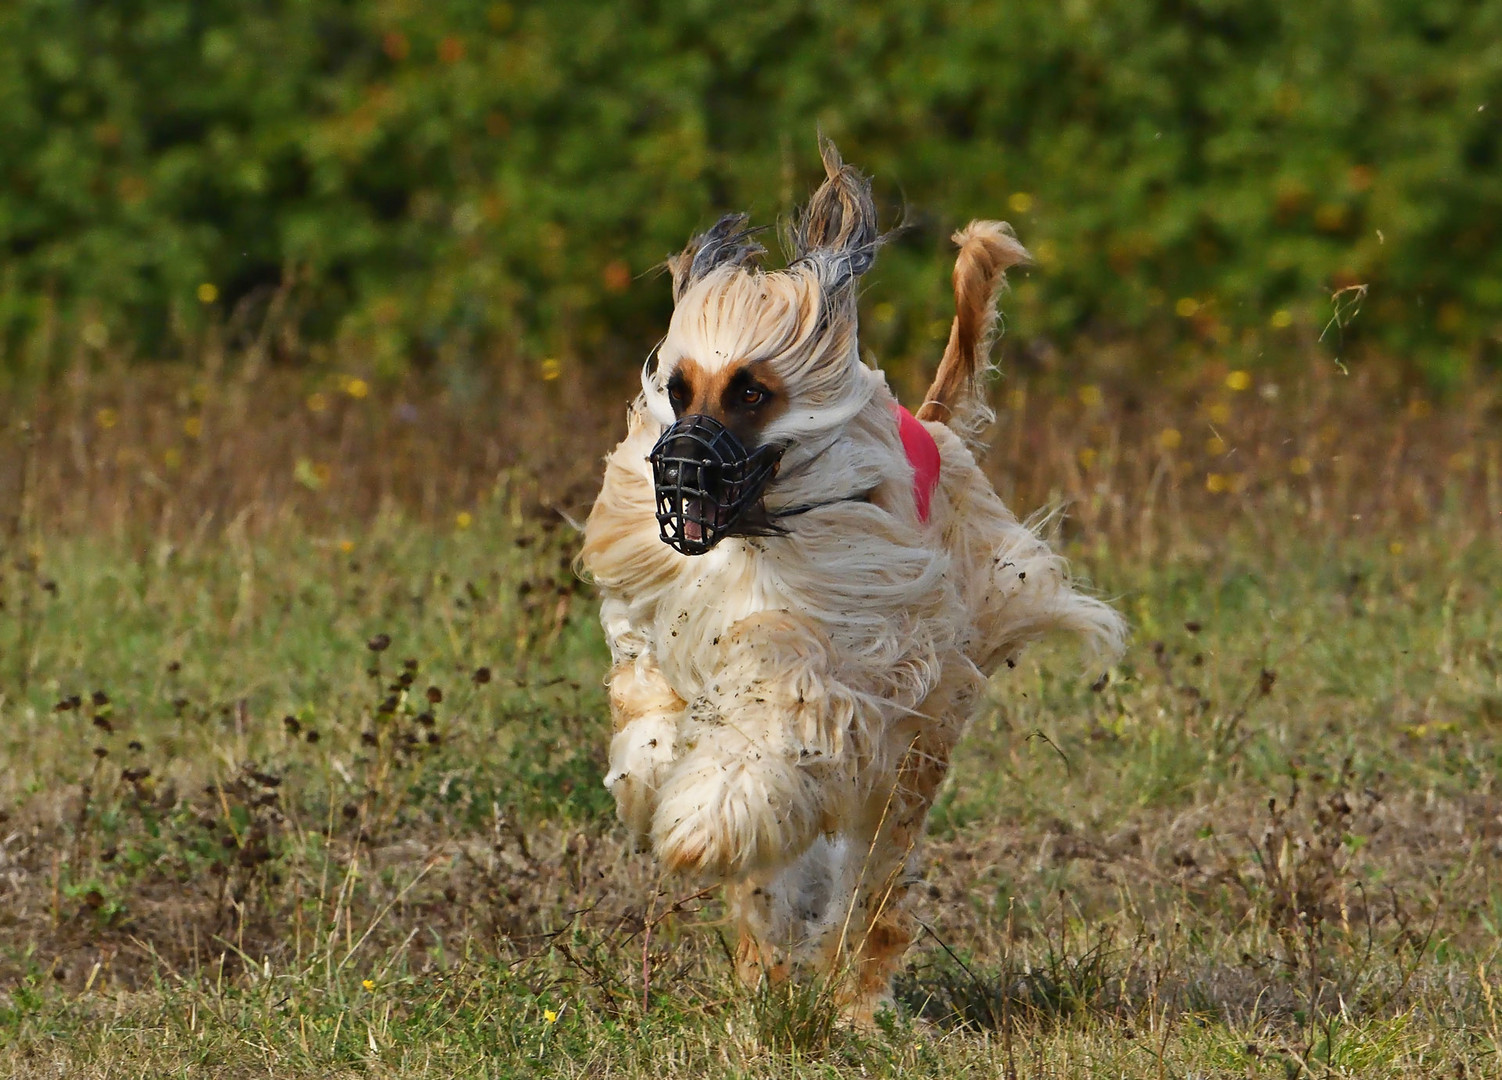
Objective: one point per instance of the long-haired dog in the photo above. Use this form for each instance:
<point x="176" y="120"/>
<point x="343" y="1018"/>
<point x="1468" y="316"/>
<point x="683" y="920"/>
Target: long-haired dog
<point x="805" y="589"/>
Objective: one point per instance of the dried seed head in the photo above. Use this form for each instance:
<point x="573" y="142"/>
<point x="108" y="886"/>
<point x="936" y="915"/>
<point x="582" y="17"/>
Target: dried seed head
<point x="135" y="746"/>
<point x="100" y="698"/>
<point x="311" y="736"/>
<point x="435" y="695"/>
<point x="174" y="667"/>
<point x="291" y="724"/>
<point x="101" y="753"/>
<point x="482" y="676"/>
<point x="379" y="643"/>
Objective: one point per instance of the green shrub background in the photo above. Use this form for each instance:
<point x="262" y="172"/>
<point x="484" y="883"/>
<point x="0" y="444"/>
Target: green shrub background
<point x="447" y="180"/>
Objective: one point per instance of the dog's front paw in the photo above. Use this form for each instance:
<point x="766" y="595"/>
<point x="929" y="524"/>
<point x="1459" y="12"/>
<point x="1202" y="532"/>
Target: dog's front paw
<point x="725" y="816"/>
<point x="640" y="756"/>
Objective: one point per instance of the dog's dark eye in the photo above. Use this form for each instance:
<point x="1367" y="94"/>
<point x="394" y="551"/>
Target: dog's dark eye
<point x="753" y="396"/>
<point x="677" y="391"/>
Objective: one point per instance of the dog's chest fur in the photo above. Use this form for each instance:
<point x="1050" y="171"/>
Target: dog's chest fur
<point x="876" y="601"/>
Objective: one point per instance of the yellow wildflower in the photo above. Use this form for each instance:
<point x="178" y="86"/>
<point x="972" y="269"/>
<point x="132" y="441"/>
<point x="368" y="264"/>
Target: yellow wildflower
<point x="464" y="519"/>
<point x="551" y="368"/>
<point x="1216" y="483"/>
<point x="1281" y="319"/>
<point x="208" y="292"/>
<point x="1020" y="202"/>
<point x="357" y="388"/>
<point x="1186" y="307"/>
<point x="550" y="1016"/>
<point x="1170" y="438"/>
<point x="369" y="984"/>
<point x="1238" y="380"/>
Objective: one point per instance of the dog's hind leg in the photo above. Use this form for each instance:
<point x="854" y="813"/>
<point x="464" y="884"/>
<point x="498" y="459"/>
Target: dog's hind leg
<point x="880" y="928"/>
<point x="789" y="919"/>
<point x="646" y="713"/>
<point x="764" y="766"/>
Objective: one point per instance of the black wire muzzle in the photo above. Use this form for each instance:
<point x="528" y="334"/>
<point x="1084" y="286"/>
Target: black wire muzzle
<point x="708" y="485"/>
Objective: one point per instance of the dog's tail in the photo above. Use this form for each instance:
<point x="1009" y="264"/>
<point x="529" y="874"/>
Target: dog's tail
<point x="987" y="250"/>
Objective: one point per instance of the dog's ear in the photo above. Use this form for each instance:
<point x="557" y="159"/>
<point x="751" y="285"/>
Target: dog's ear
<point x="836" y="235"/>
<point x="728" y="243"/>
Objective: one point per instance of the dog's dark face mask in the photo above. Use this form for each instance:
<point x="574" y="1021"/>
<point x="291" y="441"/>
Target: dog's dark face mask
<point x="708" y="485"/>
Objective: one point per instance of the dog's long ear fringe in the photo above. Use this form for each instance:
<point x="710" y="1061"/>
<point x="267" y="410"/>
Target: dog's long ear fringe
<point x="987" y="250"/>
<point x="836" y="234"/>
<point x="727" y="243"/>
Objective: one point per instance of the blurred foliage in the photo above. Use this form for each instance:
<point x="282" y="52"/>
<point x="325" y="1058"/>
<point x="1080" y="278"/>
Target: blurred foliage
<point x="418" y="183"/>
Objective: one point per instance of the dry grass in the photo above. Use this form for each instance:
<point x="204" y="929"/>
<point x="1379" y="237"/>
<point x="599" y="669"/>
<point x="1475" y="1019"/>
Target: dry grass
<point x="304" y="729"/>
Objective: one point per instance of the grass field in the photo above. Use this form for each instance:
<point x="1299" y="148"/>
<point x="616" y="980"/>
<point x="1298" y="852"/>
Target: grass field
<point x="303" y="725"/>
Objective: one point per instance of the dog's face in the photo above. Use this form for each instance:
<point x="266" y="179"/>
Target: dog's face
<point x="721" y="386"/>
<point x="756" y="364"/>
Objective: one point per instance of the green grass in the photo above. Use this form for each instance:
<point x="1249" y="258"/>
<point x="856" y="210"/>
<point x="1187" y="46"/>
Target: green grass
<point x="1266" y="846"/>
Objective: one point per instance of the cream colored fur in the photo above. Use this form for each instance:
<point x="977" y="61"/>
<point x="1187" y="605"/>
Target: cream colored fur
<point x="786" y="706"/>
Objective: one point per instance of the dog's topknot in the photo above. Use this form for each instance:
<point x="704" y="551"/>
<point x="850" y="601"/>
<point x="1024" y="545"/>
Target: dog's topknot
<point x="835" y="237"/>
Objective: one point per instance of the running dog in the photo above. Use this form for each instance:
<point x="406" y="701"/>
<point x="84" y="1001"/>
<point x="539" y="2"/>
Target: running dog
<point x="806" y="587"/>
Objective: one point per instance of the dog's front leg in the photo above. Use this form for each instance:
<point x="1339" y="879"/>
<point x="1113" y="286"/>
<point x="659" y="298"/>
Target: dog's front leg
<point x="646" y="713"/>
<point x="765" y="764"/>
